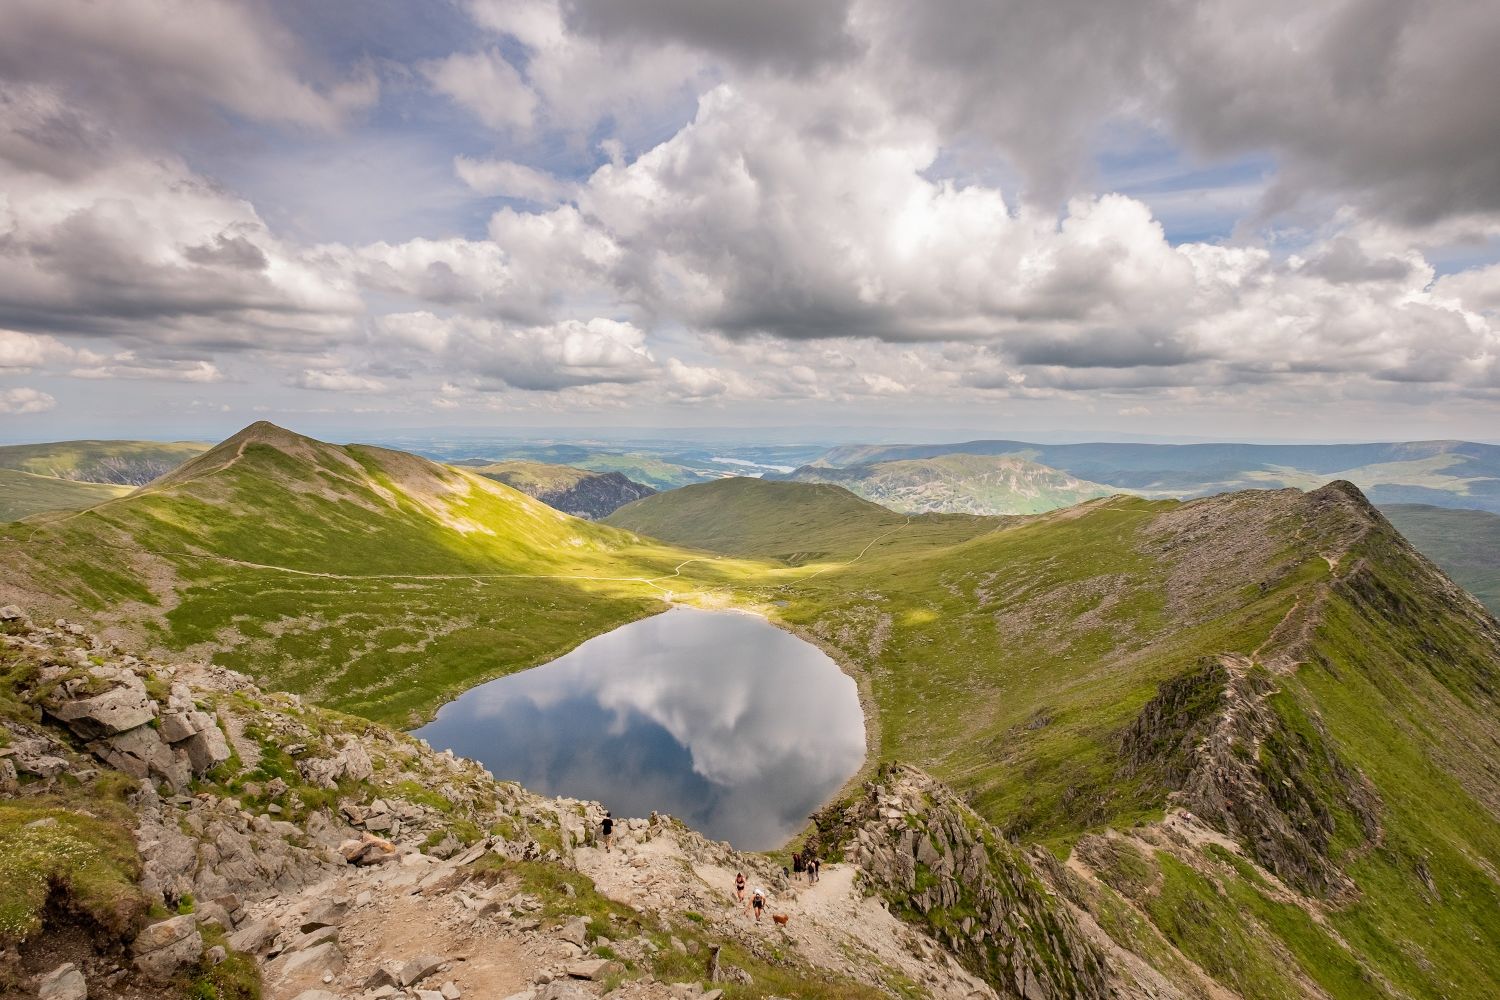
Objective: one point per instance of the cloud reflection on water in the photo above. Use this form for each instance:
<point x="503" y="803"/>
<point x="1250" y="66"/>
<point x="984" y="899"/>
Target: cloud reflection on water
<point x="719" y="718"/>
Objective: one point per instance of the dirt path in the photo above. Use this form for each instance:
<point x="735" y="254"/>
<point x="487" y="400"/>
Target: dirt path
<point x="868" y="546"/>
<point x="831" y="924"/>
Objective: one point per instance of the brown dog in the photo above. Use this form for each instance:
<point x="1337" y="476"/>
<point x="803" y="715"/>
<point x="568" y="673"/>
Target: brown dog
<point x="780" y="918"/>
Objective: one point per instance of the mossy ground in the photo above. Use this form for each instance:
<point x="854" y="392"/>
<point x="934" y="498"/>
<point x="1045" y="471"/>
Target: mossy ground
<point x="71" y="851"/>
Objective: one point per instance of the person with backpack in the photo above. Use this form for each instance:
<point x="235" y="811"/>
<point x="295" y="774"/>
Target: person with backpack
<point x="758" y="902"/>
<point x="606" y="830"/>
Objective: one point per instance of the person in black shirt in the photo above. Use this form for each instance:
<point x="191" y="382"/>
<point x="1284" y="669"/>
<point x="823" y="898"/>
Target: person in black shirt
<point x="607" y="829"/>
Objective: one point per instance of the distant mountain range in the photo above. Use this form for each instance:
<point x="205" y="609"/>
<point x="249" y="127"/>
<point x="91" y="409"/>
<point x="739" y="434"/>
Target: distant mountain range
<point x="1438" y="473"/>
<point x="579" y="492"/>
<point x="124" y="463"/>
<point x="958" y="484"/>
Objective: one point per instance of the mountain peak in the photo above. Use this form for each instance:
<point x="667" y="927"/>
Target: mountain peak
<point x="232" y="448"/>
<point x="265" y="432"/>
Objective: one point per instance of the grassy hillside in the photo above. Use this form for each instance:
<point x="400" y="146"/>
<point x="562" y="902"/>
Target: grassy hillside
<point x="374" y="581"/>
<point x="958" y="484"/>
<point x="793" y="523"/>
<point x="23" y="494"/>
<point x="1465" y="543"/>
<point x="129" y="463"/>
<point x="1282" y="665"/>
<point x="1441" y="473"/>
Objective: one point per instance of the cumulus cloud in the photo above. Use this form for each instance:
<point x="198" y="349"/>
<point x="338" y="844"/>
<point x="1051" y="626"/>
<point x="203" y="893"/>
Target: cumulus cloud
<point x="554" y="356"/>
<point x="512" y="180"/>
<point x="1386" y="102"/>
<point x="24" y="400"/>
<point x="727" y="228"/>
<point x="844" y="202"/>
<point x="485" y="84"/>
<point x="336" y="380"/>
<point x="26" y="351"/>
<point x="127" y="365"/>
<point x="582" y="79"/>
<point x="136" y="244"/>
<point x="163" y="63"/>
<point x="784" y="34"/>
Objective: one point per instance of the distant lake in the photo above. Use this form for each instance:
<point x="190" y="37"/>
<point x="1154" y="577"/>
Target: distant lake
<point x="723" y="720"/>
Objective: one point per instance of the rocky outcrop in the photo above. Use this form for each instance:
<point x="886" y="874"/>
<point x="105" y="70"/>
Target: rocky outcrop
<point x="941" y="865"/>
<point x="108" y="705"/>
<point x="167" y="947"/>
<point x="590" y="495"/>
<point x="1268" y="776"/>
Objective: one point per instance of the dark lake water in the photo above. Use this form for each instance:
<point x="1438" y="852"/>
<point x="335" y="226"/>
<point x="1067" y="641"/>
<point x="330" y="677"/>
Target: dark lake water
<point x="719" y="718"/>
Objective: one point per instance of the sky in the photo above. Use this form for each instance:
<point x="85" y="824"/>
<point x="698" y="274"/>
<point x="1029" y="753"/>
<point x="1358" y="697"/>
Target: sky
<point x="1234" y="219"/>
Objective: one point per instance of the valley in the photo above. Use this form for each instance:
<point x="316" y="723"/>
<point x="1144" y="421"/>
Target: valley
<point x="1223" y="746"/>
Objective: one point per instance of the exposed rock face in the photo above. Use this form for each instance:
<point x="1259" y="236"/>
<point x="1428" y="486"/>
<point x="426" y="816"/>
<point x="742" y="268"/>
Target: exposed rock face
<point x="121" y="708"/>
<point x="166" y="947"/>
<point x="1281" y="803"/>
<point x="937" y="861"/>
<point x="129" y="730"/>
<point x="590" y="495"/>
<point x="352" y="762"/>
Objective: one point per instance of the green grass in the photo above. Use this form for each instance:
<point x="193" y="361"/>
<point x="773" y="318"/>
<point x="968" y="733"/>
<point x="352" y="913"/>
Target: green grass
<point x="75" y="848"/>
<point x="1465" y="543"/>
<point x="235" y="978"/>
<point x="793" y="523"/>
<point x="23" y="494"/>
<point x="374" y="581"/>
<point x="532" y="478"/>
<point x="1211" y="929"/>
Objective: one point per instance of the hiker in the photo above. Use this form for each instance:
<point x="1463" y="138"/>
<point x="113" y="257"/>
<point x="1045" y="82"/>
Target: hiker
<point x="606" y="829"/>
<point x="813" y="868"/>
<point x="799" y="865"/>
<point x="758" y="902"/>
<point x="739" y="886"/>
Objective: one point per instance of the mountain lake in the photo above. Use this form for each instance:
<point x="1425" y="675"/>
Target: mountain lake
<point x="719" y="718"/>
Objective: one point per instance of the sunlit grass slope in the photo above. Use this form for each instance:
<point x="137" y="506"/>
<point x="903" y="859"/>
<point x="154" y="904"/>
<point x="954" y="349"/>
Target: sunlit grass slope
<point x="375" y="581"/>
<point x="793" y="523"/>
<point x="23" y="494"/>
